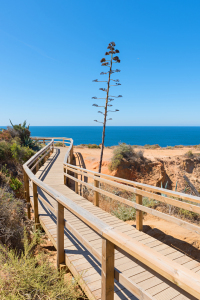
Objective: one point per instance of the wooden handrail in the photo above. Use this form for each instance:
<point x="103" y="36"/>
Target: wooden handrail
<point x="167" y="200"/>
<point x="147" y="187"/>
<point x="138" y="206"/>
<point x="112" y="239"/>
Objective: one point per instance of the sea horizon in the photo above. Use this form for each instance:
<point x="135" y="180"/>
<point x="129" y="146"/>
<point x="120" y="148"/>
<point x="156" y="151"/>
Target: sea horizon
<point x="134" y="135"/>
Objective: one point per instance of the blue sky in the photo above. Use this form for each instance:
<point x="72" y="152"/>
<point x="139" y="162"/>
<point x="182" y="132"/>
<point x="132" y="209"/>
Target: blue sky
<point x="50" y="52"/>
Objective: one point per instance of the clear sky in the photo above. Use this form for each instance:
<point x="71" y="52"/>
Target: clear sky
<point x="50" y="52"/>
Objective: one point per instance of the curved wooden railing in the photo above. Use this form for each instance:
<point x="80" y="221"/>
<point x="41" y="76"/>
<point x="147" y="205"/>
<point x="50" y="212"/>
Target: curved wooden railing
<point x="111" y="238"/>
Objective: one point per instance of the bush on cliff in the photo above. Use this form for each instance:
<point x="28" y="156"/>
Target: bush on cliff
<point x="22" y="133"/>
<point x="93" y="146"/>
<point x="124" y="152"/>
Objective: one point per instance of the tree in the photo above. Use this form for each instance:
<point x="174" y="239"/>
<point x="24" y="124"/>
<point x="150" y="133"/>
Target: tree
<point x="107" y="63"/>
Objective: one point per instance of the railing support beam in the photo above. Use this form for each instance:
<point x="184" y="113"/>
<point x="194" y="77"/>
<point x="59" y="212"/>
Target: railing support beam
<point x="37" y="167"/>
<point x="60" y="235"/>
<point x="35" y="203"/>
<point x="107" y="272"/>
<point x="139" y="214"/>
<point x="76" y="183"/>
<point x="96" y="194"/>
<point x="65" y="177"/>
<point x="27" y="194"/>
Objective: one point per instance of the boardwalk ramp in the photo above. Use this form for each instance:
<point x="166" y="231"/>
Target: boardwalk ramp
<point x="111" y="259"/>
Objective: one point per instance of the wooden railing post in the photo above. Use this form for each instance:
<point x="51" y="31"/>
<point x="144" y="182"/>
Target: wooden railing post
<point x="107" y="272"/>
<point x="71" y="155"/>
<point x="65" y="177"/>
<point x="139" y="214"/>
<point x="53" y="148"/>
<point x="37" y="167"/>
<point x="27" y="193"/>
<point x="96" y="194"/>
<point x="67" y="171"/>
<point x="35" y="203"/>
<point x="60" y="235"/>
<point x="76" y="183"/>
<point x="45" y="158"/>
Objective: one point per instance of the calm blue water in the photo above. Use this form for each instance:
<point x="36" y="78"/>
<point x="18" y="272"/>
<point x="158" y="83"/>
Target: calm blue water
<point x="133" y="135"/>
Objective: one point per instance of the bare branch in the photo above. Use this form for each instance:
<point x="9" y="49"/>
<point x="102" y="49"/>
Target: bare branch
<point x="98" y="121"/>
<point x="113" y="110"/>
<point x="105" y="64"/>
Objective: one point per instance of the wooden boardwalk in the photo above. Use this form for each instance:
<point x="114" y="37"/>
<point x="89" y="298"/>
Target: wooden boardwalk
<point x="83" y="264"/>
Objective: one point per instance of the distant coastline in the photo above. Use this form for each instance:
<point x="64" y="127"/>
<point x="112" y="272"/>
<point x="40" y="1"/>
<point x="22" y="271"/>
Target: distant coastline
<point x="134" y="135"/>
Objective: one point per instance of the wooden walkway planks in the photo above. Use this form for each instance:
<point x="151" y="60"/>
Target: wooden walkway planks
<point x="83" y="264"/>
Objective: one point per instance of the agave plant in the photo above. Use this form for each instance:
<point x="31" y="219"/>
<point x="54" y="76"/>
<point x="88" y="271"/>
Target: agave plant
<point x="108" y="98"/>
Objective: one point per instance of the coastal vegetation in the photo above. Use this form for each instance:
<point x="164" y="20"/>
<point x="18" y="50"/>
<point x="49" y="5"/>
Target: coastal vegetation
<point x="59" y="144"/>
<point x="31" y="275"/>
<point x="26" y="268"/>
<point x="93" y="146"/>
<point x="124" y="152"/>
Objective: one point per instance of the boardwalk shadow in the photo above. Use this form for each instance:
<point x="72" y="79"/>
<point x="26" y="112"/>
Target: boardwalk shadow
<point x="79" y="162"/>
<point x="178" y="244"/>
<point x="51" y="161"/>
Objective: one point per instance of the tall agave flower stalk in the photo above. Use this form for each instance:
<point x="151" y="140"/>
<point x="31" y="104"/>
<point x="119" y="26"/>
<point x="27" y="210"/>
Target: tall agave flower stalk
<point x="107" y="63"/>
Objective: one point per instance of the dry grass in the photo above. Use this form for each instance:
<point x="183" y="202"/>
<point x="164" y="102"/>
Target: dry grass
<point x="12" y="220"/>
<point x="59" y="144"/>
<point x="29" y="276"/>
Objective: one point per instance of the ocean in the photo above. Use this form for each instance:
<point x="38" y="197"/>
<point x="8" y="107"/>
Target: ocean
<point x="133" y="135"/>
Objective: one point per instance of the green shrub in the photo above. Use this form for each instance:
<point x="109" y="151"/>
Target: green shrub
<point x="15" y="184"/>
<point x="178" y="146"/>
<point x="20" y="130"/>
<point x="5" y="171"/>
<point x="189" y="154"/>
<point x="22" y="133"/>
<point x="149" y="202"/>
<point x="147" y="146"/>
<point x="59" y="144"/>
<point x="93" y="146"/>
<point x="20" y="153"/>
<point x="4" y="150"/>
<point x="124" y="151"/>
<point x="124" y="212"/>
<point x="188" y="214"/>
<point x="34" y="277"/>
<point x="34" y="145"/>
